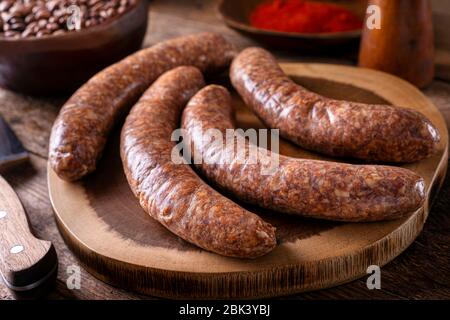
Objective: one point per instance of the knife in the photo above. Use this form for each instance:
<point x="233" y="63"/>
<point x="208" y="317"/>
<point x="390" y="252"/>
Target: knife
<point x="28" y="265"/>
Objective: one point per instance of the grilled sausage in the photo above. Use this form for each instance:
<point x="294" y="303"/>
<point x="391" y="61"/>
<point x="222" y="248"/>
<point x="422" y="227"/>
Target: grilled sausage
<point x="332" y="127"/>
<point x="318" y="189"/>
<point x="172" y="193"/>
<point x="83" y="125"/>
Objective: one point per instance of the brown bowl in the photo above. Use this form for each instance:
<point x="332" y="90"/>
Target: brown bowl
<point x="54" y="65"/>
<point x="235" y="14"/>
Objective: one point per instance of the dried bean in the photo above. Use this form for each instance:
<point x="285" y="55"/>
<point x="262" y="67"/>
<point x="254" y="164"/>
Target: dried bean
<point x="18" y="26"/>
<point x="59" y="32"/>
<point x="29" y="18"/>
<point x="42" y="14"/>
<point x="52" y="26"/>
<point x="12" y="34"/>
<point x="5" y="5"/>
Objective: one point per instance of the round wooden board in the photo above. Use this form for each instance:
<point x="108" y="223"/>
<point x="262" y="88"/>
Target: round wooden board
<point x="119" y="243"/>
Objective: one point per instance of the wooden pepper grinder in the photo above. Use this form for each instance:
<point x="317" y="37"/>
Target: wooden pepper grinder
<point x="404" y="45"/>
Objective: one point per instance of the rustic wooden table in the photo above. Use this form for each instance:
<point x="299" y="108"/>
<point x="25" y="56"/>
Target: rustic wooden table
<point x="421" y="272"/>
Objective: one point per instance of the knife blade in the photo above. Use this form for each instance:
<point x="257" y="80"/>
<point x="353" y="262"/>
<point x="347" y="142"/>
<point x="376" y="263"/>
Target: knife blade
<point x="27" y="264"/>
<point x="11" y="150"/>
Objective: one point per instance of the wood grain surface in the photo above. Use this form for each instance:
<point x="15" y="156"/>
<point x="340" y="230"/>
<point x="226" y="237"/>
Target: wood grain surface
<point x="26" y="261"/>
<point x="421" y="272"/>
<point x="117" y="241"/>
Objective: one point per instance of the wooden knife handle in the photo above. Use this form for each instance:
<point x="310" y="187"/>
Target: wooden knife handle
<point x="25" y="261"/>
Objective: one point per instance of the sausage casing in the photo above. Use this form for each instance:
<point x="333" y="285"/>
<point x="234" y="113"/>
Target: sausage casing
<point x="172" y="193"/>
<point x="338" y="128"/>
<point x="81" y="130"/>
<point x="320" y="189"/>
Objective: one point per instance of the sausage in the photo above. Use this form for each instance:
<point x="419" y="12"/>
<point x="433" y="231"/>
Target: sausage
<point x="379" y="133"/>
<point x="319" y="189"/>
<point x="85" y="121"/>
<point x="172" y="193"/>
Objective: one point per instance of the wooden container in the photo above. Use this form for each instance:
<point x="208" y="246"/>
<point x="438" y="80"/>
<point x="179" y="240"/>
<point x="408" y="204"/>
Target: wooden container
<point x="235" y="14"/>
<point x="54" y="65"/>
<point x="404" y="46"/>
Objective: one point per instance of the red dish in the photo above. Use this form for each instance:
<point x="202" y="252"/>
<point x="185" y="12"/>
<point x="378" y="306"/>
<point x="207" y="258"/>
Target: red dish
<point x="236" y="14"/>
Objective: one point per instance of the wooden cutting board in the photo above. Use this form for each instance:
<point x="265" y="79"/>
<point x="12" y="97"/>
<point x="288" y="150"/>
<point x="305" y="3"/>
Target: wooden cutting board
<point x="119" y="243"/>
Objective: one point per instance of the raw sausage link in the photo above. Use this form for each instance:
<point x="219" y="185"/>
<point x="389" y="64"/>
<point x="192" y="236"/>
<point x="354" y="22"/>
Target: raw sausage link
<point x="332" y="127"/>
<point x="172" y="193"/>
<point x="83" y="125"/>
<point x="319" y="189"/>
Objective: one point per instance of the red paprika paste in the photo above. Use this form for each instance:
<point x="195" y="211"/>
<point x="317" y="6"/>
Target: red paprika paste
<point x="304" y="17"/>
